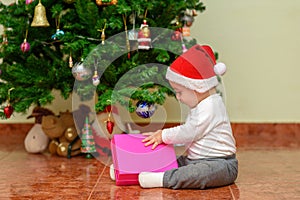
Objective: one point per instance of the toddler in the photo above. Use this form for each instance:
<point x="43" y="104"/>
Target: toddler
<point x="206" y="133"/>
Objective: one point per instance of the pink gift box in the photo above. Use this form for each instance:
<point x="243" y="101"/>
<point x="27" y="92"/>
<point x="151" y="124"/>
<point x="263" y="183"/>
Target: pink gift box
<point x="130" y="157"/>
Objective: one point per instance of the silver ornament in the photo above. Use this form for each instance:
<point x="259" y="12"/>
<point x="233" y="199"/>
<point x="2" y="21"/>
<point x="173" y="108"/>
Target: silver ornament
<point x="80" y="72"/>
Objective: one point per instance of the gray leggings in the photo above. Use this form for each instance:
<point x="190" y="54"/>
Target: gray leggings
<point x="202" y="173"/>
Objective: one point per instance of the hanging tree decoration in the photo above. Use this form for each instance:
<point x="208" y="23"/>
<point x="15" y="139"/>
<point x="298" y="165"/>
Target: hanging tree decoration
<point x="70" y="60"/>
<point x="29" y="1"/>
<point x="176" y="36"/>
<point x="187" y="20"/>
<point x="59" y="33"/>
<point x="133" y="34"/>
<point x="4" y="40"/>
<point x="186" y="32"/>
<point x="126" y="34"/>
<point x="144" y="35"/>
<point x="40" y="18"/>
<point x="103" y="36"/>
<point x="8" y="109"/>
<point x="103" y="33"/>
<point x="109" y="124"/>
<point x="184" y="49"/>
<point x="188" y="17"/>
<point x="80" y="72"/>
<point x="106" y="2"/>
<point x="145" y="109"/>
<point x="25" y="46"/>
<point x="96" y="78"/>
<point x="4" y="37"/>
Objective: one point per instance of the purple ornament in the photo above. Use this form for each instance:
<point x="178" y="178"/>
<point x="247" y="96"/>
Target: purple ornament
<point x="96" y="80"/>
<point x="184" y="49"/>
<point x="25" y="46"/>
<point x="29" y="1"/>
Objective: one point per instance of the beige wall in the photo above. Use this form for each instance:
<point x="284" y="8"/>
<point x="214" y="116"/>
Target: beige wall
<point x="260" y="43"/>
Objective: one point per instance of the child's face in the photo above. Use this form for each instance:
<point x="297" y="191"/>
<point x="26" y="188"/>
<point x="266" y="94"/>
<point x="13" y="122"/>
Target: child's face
<point x="185" y="95"/>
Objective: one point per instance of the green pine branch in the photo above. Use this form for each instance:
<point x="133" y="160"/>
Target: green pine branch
<point x="45" y="67"/>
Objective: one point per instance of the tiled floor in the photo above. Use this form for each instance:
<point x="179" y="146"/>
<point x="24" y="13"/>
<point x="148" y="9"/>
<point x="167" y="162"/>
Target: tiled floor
<point x="263" y="174"/>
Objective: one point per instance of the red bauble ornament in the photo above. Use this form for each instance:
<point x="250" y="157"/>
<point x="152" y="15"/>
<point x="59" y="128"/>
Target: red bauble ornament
<point x="8" y="110"/>
<point x="110" y="126"/>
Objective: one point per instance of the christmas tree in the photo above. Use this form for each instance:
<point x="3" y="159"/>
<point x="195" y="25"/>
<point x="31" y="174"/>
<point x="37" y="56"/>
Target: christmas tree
<point x="88" y="144"/>
<point x="108" y="44"/>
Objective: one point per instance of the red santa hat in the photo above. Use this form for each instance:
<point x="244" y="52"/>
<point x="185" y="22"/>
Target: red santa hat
<point x="196" y="69"/>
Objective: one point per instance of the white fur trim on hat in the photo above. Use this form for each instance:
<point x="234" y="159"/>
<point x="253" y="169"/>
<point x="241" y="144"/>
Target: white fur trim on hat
<point x="199" y="85"/>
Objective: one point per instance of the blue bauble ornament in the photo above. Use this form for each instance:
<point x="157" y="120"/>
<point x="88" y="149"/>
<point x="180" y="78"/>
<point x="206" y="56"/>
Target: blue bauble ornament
<point x="145" y="109"/>
<point x="58" y="35"/>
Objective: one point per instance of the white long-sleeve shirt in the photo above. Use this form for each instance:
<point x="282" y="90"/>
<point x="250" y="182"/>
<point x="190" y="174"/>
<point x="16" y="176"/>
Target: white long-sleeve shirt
<point x="206" y="133"/>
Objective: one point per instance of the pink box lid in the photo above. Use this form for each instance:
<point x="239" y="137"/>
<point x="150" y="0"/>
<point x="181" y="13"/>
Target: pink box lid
<point x="130" y="156"/>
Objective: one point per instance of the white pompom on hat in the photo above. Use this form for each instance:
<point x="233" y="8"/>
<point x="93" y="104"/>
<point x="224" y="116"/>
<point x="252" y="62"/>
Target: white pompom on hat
<point x="220" y="69"/>
<point x="196" y="69"/>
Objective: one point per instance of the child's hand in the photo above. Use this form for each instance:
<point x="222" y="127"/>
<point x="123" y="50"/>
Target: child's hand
<point x="154" y="138"/>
